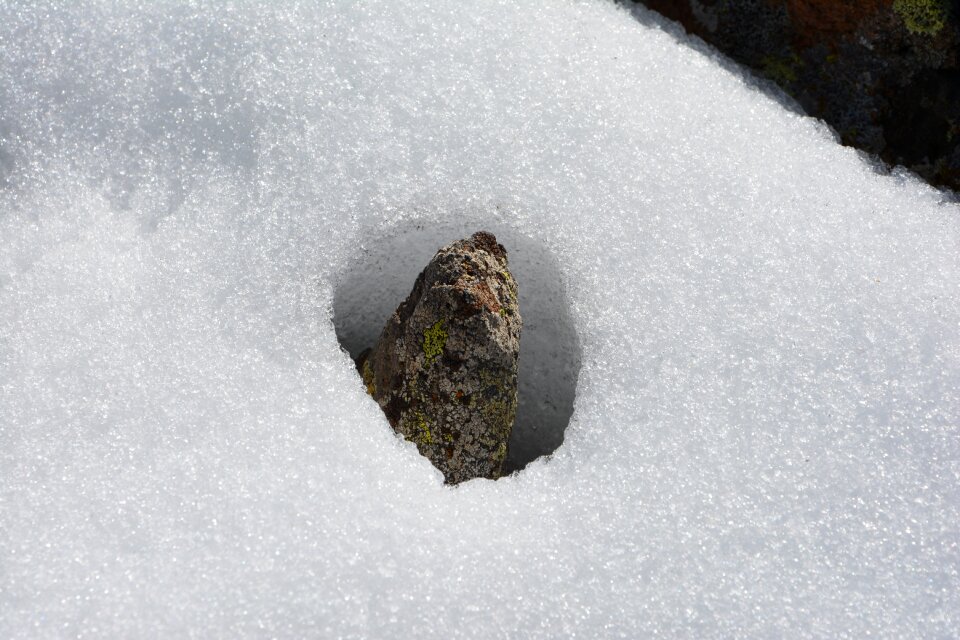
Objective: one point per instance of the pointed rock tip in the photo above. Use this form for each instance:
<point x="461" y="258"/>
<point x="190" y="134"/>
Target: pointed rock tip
<point x="488" y="242"/>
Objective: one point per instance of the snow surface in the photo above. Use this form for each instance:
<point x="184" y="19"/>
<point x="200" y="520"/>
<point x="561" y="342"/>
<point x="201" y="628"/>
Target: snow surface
<point x="765" y="436"/>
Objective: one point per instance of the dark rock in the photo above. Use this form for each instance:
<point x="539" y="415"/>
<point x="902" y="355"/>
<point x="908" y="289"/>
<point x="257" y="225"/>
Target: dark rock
<point x="444" y="369"/>
<point x="884" y="74"/>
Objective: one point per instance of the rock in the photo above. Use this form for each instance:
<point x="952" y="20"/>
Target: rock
<point x="885" y="74"/>
<point x="444" y="369"/>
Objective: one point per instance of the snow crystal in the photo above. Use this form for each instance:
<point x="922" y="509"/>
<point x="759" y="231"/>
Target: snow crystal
<point x="195" y="198"/>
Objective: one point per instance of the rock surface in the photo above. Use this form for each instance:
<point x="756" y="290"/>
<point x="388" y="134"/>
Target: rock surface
<point x="444" y="369"/>
<point x="885" y="74"/>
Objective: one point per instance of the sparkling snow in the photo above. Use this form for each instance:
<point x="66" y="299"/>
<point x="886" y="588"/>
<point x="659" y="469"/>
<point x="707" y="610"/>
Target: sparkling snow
<point x="195" y="198"/>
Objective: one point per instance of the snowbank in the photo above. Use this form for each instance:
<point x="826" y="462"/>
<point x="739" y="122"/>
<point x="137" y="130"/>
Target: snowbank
<point x="764" y="438"/>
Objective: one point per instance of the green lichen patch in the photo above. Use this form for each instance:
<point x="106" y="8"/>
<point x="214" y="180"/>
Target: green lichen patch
<point x="434" y="340"/>
<point x="922" y="17"/>
<point x="368" y="378"/>
<point x="421" y="435"/>
<point x="500" y="454"/>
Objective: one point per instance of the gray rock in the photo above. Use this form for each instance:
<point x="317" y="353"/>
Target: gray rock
<point x="444" y="369"/>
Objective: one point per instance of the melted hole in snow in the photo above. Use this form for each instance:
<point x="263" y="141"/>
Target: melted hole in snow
<point x="372" y="287"/>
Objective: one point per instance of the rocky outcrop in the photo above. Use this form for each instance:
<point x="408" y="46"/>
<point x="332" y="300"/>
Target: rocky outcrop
<point x="885" y="74"/>
<point x="444" y="369"/>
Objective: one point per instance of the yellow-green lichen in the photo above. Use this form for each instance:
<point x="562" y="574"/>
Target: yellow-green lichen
<point x="497" y="415"/>
<point x="434" y="339"/>
<point x="422" y="435"/>
<point x="368" y="378"/>
<point x="781" y="70"/>
<point x="490" y="379"/>
<point x="922" y="17"/>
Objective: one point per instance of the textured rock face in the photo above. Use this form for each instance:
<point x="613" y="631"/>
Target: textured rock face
<point x="884" y="73"/>
<point x="444" y="369"/>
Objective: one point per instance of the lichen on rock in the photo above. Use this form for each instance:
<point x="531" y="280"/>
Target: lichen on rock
<point x="925" y="17"/>
<point x="444" y="369"/>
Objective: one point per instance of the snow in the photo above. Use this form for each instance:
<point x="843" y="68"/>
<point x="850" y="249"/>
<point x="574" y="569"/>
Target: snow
<point x="196" y="198"/>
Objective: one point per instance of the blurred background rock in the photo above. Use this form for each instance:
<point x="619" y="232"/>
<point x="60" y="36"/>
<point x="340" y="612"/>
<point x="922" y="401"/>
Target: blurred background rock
<point x="883" y="73"/>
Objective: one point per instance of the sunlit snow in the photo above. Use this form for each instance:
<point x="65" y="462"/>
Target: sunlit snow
<point x="765" y="436"/>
